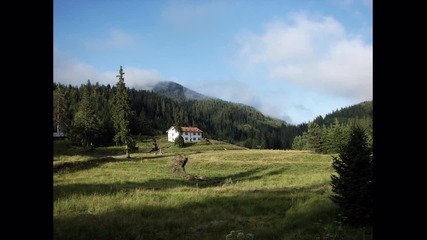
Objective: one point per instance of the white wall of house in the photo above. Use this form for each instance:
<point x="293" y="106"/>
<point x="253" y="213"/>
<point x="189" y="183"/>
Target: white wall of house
<point x="172" y="134"/>
<point x="192" y="136"/>
<point x="189" y="136"/>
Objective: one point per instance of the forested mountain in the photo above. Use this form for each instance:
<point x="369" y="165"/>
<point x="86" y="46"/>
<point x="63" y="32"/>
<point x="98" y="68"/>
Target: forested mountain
<point x="177" y="92"/>
<point x="244" y="125"/>
<point x="153" y="112"/>
<point x="232" y="122"/>
<point x="328" y="134"/>
<point x="343" y="115"/>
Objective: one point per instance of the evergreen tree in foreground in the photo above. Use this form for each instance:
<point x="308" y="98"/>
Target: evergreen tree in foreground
<point x="179" y="140"/>
<point x="122" y="115"/>
<point x="353" y="186"/>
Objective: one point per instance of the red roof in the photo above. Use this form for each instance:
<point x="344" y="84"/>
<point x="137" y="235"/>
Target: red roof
<point x="191" y="129"/>
<point x="187" y="129"/>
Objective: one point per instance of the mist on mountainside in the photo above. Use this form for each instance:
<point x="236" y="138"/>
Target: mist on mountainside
<point x="177" y="92"/>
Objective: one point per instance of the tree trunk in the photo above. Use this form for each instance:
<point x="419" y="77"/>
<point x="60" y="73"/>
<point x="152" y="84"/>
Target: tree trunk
<point x="127" y="148"/>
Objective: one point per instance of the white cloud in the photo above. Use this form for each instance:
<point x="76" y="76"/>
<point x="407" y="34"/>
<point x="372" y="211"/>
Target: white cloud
<point x="139" y="78"/>
<point x="71" y="71"/>
<point x="230" y="90"/>
<point x="270" y="102"/>
<point x="67" y="70"/>
<point x="317" y="54"/>
<point x="282" y="42"/>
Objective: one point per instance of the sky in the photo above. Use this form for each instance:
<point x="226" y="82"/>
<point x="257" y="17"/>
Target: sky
<point x="290" y="59"/>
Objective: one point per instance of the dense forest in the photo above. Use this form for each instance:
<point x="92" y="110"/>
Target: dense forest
<point x="153" y="113"/>
<point x="328" y="134"/>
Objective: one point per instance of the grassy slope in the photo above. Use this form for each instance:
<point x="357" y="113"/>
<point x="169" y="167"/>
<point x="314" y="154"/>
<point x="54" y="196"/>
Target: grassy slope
<point x="273" y="194"/>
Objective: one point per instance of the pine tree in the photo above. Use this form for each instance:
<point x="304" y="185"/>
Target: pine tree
<point x="59" y="109"/>
<point x="315" y="137"/>
<point x="179" y="140"/>
<point x="122" y="115"/>
<point x="85" y="123"/>
<point x="353" y="186"/>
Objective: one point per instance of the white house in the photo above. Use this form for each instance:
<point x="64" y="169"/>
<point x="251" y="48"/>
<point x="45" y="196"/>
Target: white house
<point x="190" y="134"/>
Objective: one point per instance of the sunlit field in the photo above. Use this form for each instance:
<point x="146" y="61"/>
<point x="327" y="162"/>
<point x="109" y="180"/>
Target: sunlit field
<point x="273" y="194"/>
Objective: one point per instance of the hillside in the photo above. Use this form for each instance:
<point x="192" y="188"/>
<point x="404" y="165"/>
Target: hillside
<point x="177" y="92"/>
<point x="233" y="122"/>
<point x="229" y="112"/>
<point x="363" y="110"/>
<point x="327" y="135"/>
<point x="155" y="111"/>
<point x="181" y="94"/>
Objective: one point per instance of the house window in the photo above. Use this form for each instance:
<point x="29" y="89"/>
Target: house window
<point x="194" y="139"/>
<point x="186" y="139"/>
<point x="198" y="139"/>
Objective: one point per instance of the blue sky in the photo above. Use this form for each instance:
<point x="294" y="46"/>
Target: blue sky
<point x="291" y="59"/>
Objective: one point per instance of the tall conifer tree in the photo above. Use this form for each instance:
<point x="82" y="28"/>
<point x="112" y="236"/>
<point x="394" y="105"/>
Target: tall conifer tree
<point x="59" y="109"/>
<point x="86" y="122"/>
<point x="122" y="114"/>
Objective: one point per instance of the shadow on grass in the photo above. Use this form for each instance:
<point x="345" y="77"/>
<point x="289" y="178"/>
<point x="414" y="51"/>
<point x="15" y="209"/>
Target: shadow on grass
<point x="250" y="175"/>
<point x="70" y="167"/>
<point x="261" y="213"/>
<point x="163" y="155"/>
<point x="66" y="148"/>
<point x="63" y="191"/>
<point x="211" y="219"/>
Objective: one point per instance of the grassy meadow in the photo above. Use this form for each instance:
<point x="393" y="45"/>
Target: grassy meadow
<point x="273" y="194"/>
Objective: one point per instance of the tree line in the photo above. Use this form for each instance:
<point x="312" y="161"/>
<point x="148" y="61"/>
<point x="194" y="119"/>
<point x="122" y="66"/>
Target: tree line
<point x="152" y="114"/>
<point x="94" y="115"/>
<point x="329" y="134"/>
<point x="93" y="105"/>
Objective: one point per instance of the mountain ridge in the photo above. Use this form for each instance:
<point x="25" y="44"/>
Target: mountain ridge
<point x="181" y="94"/>
<point x="178" y="92"/>
<point x="154" y="113"/>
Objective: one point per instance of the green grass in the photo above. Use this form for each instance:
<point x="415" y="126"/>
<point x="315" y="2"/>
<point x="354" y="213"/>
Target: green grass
<point x="273" y="194"/>
<point x="64" y="151"/>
